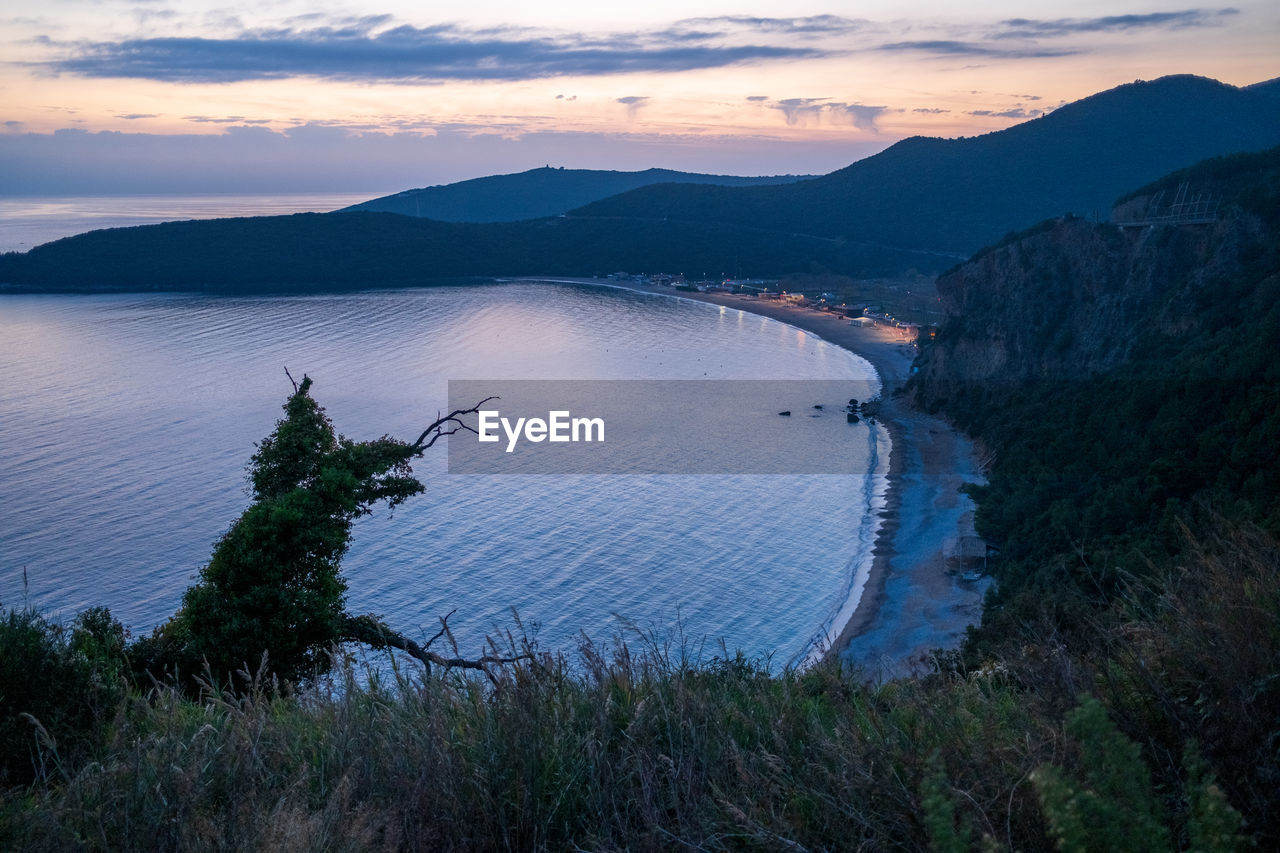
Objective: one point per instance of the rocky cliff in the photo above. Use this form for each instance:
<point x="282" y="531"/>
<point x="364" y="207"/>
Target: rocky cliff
<point x="1070" y="299"/>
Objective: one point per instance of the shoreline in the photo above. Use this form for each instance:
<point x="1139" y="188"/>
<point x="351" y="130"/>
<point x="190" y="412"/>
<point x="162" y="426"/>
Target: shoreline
<point x="911" y="603"/>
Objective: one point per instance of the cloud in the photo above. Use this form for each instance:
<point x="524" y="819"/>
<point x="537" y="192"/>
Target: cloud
<point x="224" y="120"/>
<point x="1019" y="38"/>
<point x="1014" y="112"/>
<point x="757" y="99"/>
<point x="350" y="24"/>
<point x="945" y="47"/>
<point x="633" y="104"/>
<point x="864" y="117"/>
<point x="1032" y="28"/>
<point x="144" y="16"/>
<point x="930" y="110"/>
<point x="136" y="116"/>
<point x="810" y="25"/>
<point x="799" y="111"/>
<point x="566" y="97"/>
<point x="361" y="49"/>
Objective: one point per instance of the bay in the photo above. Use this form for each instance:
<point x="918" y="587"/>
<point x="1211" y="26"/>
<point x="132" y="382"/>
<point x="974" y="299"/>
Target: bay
<point x="126" y="422"/>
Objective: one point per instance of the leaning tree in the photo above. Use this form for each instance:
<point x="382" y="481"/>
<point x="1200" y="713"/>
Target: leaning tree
<point x="273" y="585"/>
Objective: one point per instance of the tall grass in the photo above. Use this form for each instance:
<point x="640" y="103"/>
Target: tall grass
<point x="626" y="750"/>
<point x="641" y="747"/>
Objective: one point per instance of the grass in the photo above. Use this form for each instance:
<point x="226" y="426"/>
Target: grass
<point x="629" y="750"/>
<point x="642" y="748"/>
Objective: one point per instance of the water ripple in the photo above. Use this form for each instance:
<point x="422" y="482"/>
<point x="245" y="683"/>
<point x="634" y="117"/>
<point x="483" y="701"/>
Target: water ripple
<point x="126" y="423"/>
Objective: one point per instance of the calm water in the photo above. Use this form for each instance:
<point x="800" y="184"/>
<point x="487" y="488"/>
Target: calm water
<point x="29" y="222"/>
<point x="126" y="423"/>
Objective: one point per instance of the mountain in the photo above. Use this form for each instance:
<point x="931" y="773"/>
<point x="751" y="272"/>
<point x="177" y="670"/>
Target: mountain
<point x="1125" y="377"/>
<point x="314" y="251"/>
<point x="957" y="195"/>
<point x="922" y="204"/>
<point x="1070" y="298"/>
<point x="539" y="193"/>
<point x="1124" y="380"/>
<point x="1267" y="87"/>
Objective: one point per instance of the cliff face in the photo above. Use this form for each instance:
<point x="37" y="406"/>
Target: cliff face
<point x="1070" y="298"/>
<point x="1125" y="379"/>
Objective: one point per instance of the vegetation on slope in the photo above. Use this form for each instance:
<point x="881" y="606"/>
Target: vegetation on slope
<point x="310" y="252"/>
<point x="1128" y="386"/>
<point x="645" y="749"/>
<point x="539" y="193"/>
<point x="1127" y="382"/>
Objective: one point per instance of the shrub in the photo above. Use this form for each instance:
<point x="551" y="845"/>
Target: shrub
<point x="59" y="689"/>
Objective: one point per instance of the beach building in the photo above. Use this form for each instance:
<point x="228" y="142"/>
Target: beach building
<point x="970" y="555"/>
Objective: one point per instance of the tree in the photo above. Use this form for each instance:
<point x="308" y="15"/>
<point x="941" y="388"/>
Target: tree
<point x="273" y="584"/>
<point x="1113" y="806"/>
<point x="58" y="691"/>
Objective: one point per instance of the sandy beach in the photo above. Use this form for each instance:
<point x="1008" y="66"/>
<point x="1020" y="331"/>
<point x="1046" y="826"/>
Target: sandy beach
<point x="913" y="602"/>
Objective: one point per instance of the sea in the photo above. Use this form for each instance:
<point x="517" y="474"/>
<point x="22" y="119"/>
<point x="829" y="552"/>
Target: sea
<point x="127" y="423"/>
<point x="27" y="222"/>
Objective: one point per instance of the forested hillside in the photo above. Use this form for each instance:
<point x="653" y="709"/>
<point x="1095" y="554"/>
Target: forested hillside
<point x="1126" y="382"/>
<point x="539" y="193"/>
<point x="1126" y="377"/>
<point x="917" y="207"/>
<point x="956" y="195"/>
<point x="313" y="251"/>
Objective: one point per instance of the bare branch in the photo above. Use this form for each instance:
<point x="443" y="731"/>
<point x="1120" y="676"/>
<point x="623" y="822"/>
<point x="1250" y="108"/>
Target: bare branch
<point x="436" y="430"/>
<point x="444" y="628"/>
<point x="377" y="635"/>
<point x="291" y="379"/>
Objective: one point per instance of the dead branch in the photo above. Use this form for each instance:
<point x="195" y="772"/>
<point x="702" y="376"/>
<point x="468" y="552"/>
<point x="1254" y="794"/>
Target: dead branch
<point x="436" y="429"/>
<point x="444" y="629"/>
<point x="376" y="634"/>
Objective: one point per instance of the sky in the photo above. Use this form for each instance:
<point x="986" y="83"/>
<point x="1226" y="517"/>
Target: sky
<point x="147" y="96"/>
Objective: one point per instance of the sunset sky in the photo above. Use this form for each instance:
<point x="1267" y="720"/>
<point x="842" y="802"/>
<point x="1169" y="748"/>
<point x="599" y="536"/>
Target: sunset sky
<point x="278" y="95"/>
